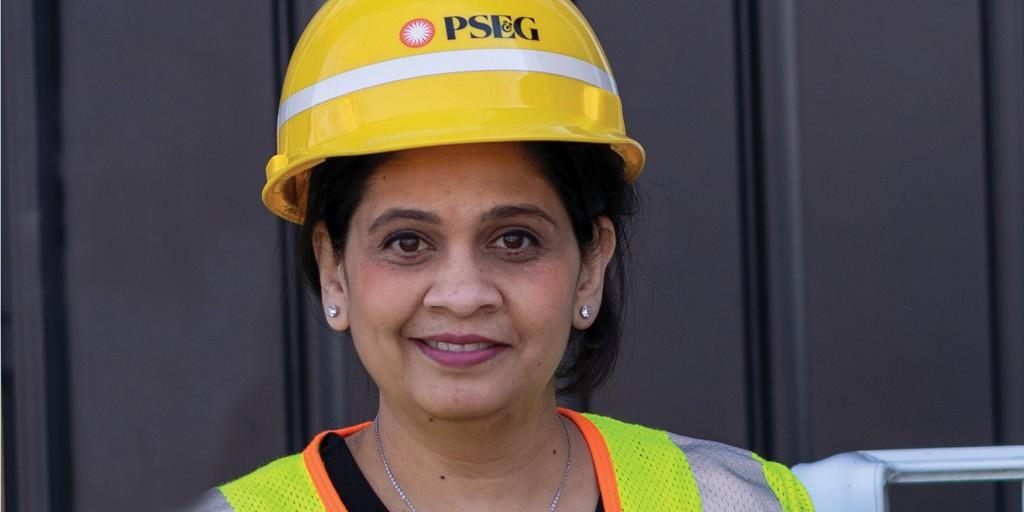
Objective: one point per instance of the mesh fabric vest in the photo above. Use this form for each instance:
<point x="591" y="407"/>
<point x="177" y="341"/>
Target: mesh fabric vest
<point x="650" y="470"/>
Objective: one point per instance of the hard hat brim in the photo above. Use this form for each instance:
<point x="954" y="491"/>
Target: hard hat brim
<point x="287" y="174"/>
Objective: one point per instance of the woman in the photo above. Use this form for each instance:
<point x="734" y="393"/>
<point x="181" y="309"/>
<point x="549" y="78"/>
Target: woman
<point x="463" y="179"/>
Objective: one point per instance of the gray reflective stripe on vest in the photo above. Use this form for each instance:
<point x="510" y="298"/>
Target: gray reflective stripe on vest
<point x="728" y="478"/>
<point x="212" y="501"/>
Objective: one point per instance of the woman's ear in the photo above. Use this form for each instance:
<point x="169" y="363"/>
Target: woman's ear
<point x="333" y="288"/>
<point x="590" y="287"/>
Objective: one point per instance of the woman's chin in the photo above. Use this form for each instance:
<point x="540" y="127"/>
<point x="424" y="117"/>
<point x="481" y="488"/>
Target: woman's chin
<point x="463" y="405"/>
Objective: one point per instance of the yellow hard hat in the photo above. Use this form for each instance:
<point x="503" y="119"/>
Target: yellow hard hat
<point x="370" y="76"/>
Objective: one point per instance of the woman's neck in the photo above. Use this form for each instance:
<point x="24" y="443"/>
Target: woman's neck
<point x="499" y="461"/>
<point x="497" y="439"/>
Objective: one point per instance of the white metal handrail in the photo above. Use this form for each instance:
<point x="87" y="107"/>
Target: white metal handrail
<point x="856" y="481"/>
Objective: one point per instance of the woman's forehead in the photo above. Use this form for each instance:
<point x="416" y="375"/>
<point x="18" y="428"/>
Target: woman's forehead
<point x="459" y="178"/>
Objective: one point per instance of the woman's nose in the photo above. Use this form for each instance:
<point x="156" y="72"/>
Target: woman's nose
<point x="463" y="287"/>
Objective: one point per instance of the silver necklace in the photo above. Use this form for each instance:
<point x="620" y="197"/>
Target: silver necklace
<point x="401" y="493"/>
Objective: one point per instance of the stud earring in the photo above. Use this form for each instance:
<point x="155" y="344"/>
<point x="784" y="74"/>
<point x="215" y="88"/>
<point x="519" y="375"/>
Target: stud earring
<point x="332" y="311"/>
<point x="585" y="311"/>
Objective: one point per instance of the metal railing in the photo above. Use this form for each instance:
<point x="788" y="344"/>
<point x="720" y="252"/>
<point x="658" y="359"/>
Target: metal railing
<point x="856" y="481"/>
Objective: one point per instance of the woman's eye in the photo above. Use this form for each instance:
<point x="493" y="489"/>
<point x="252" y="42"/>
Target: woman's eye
<point x="406" y="244"/>
<point x="515" y="241"/>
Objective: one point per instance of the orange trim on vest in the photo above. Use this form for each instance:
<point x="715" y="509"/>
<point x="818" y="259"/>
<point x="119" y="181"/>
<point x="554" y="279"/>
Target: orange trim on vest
<point x="602" y="459"/>
<point x="595" y="444"/>
<point x="318" y="473"/>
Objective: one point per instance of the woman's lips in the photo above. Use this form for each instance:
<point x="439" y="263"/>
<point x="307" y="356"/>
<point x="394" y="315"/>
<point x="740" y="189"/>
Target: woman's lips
<point x="457" y="347"/>
<point x="455" y="351"/>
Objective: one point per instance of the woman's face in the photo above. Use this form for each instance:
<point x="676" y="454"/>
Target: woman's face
<point x="460" y="280"/>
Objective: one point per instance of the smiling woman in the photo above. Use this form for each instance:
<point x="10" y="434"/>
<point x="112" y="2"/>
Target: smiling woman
<point x="586" y="179"/>
<point x="459" y="276"/>
<point x="465" y="222"/>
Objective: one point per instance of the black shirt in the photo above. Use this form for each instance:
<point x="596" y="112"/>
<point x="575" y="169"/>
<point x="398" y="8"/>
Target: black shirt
<point x="349" y="481"/>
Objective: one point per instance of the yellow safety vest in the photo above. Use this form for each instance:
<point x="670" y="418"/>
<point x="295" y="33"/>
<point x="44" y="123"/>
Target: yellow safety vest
<point x="638" y="469"/>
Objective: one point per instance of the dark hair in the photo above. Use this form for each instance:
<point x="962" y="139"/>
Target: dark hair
<point x="590" y="181"/>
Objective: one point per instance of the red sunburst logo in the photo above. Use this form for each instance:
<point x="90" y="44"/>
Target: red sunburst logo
<point x="416" y="33"/>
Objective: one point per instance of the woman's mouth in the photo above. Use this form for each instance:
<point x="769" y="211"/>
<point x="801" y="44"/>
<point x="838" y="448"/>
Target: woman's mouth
<point x="459" y="351"/>
<point x="456" y="347"/>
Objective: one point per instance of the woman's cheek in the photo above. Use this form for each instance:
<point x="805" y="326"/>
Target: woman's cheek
<point x="544" y="293"/>
<point x="381" y="295"/>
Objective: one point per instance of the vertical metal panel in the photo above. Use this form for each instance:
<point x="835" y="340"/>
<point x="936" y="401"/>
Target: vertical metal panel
<point x="173" y="290"/>
<point x="893" y="191"/>
<point x="1002" y="30"/>
<point x="51" y="255"/>
<point x="682" y="365"/>
<point x="783" y="229"/>
<point x="295" y="342"/>
<point x="749" y="151"/>
<point x="28" y="464"/>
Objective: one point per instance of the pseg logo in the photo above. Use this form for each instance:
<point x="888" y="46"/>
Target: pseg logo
<point x="419" y="32"/>
<point x="416" y="33"/>
<point x="497" y="26"/>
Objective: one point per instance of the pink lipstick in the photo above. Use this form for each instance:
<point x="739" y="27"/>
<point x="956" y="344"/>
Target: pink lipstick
<point x="459" y="351"/>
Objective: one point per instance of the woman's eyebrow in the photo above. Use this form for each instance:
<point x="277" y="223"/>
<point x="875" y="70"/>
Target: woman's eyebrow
<point x="403" y="214"/>
<point x="515" y="210"/>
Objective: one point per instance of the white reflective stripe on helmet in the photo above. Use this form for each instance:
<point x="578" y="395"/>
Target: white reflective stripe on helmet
<point x="439" y="63"/>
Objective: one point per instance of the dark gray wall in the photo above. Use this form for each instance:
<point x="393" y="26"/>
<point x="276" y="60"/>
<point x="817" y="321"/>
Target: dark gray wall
<point x="169" y="270"/>
<point x="834" y="186"/>
<point x="173" y="295"/>
<point x="830" y="257"/>
<point x="688" y="332"/>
